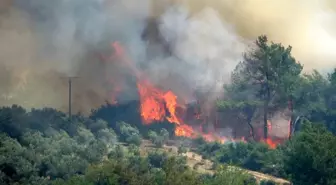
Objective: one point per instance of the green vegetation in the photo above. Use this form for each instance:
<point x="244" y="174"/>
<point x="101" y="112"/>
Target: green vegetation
<point x="43" y="147"/>
<point x="88" y="153"/>
<point x="269" y="75"/>
<point x="159" y="139"/>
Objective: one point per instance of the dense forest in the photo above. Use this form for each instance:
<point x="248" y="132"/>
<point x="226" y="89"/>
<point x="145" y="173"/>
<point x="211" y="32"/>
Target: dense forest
<point x="44" y="146"/>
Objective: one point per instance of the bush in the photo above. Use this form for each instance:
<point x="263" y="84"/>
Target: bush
<point x="47" y="146"/>
<point x="157" y="158"/>
<point x="253" y="156"/>
<point x="129" y="134"/>
<point x="310" y="156"/>
<point x="226" y="175"/>
<point x="108" y="136"/>
<point x="267" y="182"/>
<point x="182" y="150"/>
<point x="159" y="139"/>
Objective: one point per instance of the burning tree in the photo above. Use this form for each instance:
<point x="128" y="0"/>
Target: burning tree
<point x="262" y="85"/>
<point x="158" y="105"/>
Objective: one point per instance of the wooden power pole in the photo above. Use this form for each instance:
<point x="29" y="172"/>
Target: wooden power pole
<point x="70" y="92"/>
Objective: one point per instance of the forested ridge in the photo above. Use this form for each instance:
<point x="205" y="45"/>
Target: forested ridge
<point x="42" y="146"/>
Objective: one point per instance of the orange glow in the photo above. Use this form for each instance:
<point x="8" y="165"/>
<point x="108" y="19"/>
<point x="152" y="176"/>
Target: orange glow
<point x="170" y="99"/>
<point x="185" y="130"/>
<point x="272" y="143"/>
<point x="159" y="105"/>
<point x="151" y="108"/>
<point x="155" y="104"/>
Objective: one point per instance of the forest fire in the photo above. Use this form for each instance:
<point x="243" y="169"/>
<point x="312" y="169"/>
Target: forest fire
<point x="157" y="105"/>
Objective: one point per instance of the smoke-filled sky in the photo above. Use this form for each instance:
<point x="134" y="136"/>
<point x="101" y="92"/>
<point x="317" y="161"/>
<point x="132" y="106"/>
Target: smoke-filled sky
<point x="307" y="25"/>
<point x="193" y="45"/>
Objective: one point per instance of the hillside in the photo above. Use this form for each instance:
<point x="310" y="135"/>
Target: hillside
<point x="197" y="162"/>
<point x="43" y="147"/>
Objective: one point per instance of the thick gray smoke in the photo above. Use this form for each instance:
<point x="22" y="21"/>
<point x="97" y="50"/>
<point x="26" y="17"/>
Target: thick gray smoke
<point x="186" y="46"/>
<point x="44" y="42"/>
<point x="307" y="25"/>
<point x="180" y="45"/>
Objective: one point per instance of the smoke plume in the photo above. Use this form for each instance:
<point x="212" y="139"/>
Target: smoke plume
<point x="180" y="45"/>
<point x="307" y="25"/>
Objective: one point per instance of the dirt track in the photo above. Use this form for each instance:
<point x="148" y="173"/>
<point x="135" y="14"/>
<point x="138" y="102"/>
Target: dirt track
<point x="205" y="166"/>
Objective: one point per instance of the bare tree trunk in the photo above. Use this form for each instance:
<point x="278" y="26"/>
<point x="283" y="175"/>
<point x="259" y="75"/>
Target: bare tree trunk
<point x="266" y="103"/>
<point x="291" y="121"/>
<point x="249" y="122"/>
<point x="265" y="121"/>
<point x="249" y="116"/>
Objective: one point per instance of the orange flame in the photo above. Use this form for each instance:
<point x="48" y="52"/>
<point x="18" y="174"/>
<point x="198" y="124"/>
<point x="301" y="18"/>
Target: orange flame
<point x="184" y="130"/>
<point x="170" y="99"/>
<point x="158" y="105"/>
<point x="151" y="108"/>
<point x="155" y="102"/>
<point x="271" y="143"/>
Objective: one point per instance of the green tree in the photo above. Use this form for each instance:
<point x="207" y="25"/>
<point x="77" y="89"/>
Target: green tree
<point x="178" y="173"/>
<point x="182" y="150"/>
<point x="164" y="134"/>
<point x="267" y="182"/>
<point x="230" y="175"/>
<point x="75" y="180"/>
<point x="310" y="156"/>
<point x="13" y="121"/>
<point x="16" y="163"/>
<point x="309" y="96"/>
<point x="330" y="116"/>
<point x="159" y="139"/>
<point x="128" y="133"/>
<point x="157" y="158"/>
<point x="315" y="99"/>
<point x="268" y="73"/>
<point x="156" y="140"/>
<point x="108" y="136"/>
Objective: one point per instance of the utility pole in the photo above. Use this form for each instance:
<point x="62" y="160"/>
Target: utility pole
<point x="70" y="100"/>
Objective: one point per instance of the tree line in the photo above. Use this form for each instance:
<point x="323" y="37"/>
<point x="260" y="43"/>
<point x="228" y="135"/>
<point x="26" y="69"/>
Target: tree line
<point x="42" y="146"/>
<point x="270" y="80"/>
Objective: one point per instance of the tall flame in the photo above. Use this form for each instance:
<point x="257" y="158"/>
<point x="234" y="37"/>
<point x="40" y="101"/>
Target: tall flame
<point x="158" y="105"/>
<point x="151" y="108"/>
